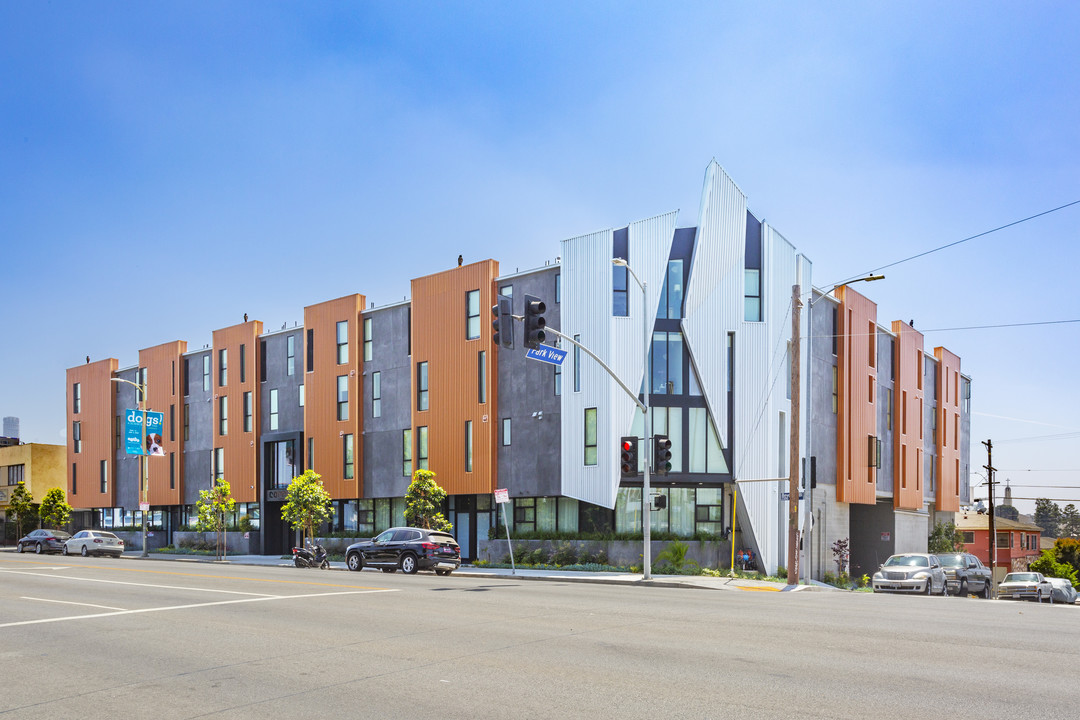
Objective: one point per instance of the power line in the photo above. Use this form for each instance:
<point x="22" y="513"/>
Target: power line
<point x="958" y="242"/>
<point x="1003" y="325"/>
<point x="1038" y="469"/>
<point x="1061" y="436"/>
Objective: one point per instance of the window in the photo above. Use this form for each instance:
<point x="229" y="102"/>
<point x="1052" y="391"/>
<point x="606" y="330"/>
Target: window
<point x="481" y="377"/>
<point x="835" y="328"/>
<point x="186" y="370"/>
<point x="142" y="383"/>
<point x="262" y="361"/>
<point x="76" y="398"/>
<point x="223" y="367"/>
<point x="472" y="314"/>
<point x="835" y="384"/>
<point x="507" y="291"/>
<point x="347" y="459"/>
<point x="74" y="479"/>
<point x="468" y="446"/>
<point x="706" y="452"/>
<point x="290" y="355"/>
<point x="406" y="453"/>
<point x="620" y="300"/>
<point x="343" y="397"/>
<point x="506" y="432"/>
<point x="919" y="370"/>
<point x="172" y="471"/>
<point x="709" y="511"/>
<point x="590" y="436"/>
<point x="343" y="342"/>
<point x="243" y="363"/>
<point x="223" y="415"/>
<point x="1004" y="540"/>
<point x="752" y="295"/>
<point x="421" y="386"/>
<point x="667" y="363"/>
<point x="376" y="394"/>
<point x="367" y="340"/>
<point x="219" y="463"/>
<point x="104" y="476"/>
<point x="558" y="288"/>
<point x="969" y="537"/>
<point x="310" y="453"/>
<point x="76" y="436"/>
<point x="903" y="412"/>
<point x="422" y="448"/>
<point x="172" y="376"/>
<point x="172" y="423"/>
<point x="872" y="335"/>
<point x="888" y="408"/>
<point x="16" y="474"/>
<point x="248" y="411"/>
<point x="274" y="409"/>
<point x="118" y="432"/>
<point x="671" y="296"/>
<point x="206" y="373"/>
<point x="280" y="463"/>
<point x="187" y="421"/>
<point x="577" y="364"/>
<point x="558" y="379"/>
<point x="300" y="395"/>
<point x="310" y="351"/>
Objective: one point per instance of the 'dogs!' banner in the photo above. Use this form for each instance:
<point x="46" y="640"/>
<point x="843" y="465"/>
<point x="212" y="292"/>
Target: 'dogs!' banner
<point x="135" y="443"/>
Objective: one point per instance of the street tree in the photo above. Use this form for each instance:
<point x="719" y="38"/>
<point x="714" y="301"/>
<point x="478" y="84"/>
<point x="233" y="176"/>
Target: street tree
<point x="1070" y="522"/>
<point x="945" y="538"/>
<point x="307" y="504"/>
<point x="423" y="501"/>
<point x="1047" y="516"/>
<point x="55" y="512"/>
<point x="21" y="505"/>
<point x="1049" y="566"/>
<point x="1067" y="550"/>
<point x="211" y="507"/>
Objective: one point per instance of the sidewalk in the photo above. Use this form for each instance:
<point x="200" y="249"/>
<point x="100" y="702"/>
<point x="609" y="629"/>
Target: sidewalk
<point x="610" y="578"/>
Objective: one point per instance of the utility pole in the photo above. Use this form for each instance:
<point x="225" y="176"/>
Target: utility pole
<point x="793" y="457"/>
<point x="993" y="528"/>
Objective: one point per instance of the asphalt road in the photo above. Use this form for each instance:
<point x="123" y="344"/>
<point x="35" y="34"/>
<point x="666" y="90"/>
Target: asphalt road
<point x="102" y="638"/>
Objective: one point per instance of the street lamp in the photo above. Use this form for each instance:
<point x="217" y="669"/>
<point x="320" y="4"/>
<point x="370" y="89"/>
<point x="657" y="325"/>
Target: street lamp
<point x="808" y="521"/>
<point x="646" y="501"/>
<point x="144" y="499"/>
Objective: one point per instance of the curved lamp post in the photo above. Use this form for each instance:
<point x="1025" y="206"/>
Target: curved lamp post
<point x="144" y="499"/>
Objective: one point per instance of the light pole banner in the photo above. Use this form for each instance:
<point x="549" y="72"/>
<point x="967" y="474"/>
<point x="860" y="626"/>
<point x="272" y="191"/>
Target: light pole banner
<point x="134" y="441"/>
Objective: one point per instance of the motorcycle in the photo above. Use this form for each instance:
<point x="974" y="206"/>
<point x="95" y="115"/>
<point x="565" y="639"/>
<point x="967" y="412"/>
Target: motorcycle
<point x="314" y="557"/>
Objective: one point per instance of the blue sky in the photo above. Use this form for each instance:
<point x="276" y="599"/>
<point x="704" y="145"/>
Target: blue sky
<point x="163" y="166"/>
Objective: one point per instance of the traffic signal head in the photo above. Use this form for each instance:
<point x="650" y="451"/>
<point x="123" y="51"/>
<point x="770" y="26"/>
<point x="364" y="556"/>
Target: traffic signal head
<point x="534" y="321"/>
<point x="659" y="502"/>
<point x="661" y="455"/>
<point x="628" y="456"/>
<point x="503" y="322"/>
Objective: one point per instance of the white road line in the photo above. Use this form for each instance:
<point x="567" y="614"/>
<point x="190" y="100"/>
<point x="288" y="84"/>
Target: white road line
<point x="68" y="602"/>
<point x="147" y="585"/>
<point x="187" y="607"/>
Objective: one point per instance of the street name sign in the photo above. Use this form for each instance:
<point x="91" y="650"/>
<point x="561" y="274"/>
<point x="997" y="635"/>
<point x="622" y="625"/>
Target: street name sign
<point x="548" y="354"/>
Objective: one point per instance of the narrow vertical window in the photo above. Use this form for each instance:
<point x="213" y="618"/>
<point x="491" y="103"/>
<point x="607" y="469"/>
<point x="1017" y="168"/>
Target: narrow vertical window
<point x="76" y="398"/>
<point x="274" y="409"/>
<point x="262" y="361"/>
<point x="577" y="364"/>
<point x="187" y="421"/>
<point x="172" y="423"/>
<point x="343" y="397"/>
<point x="835" y="384"/>
<point x="223" y="415"/>
<point x="752" y="295"/>
<point x="223" y="367"/>
<point x="558" y="379"/>
<point x="243" y="363"/>
<point x="219" y="463"/>
<point x="186" y="379"/>
<point x="406" y="453"/>
<point x="206" y="373"/>
<point x="343" y="342"/>
<point x="472" y="314"/>
<point x="558" y="287"/>
<point x="835" y="328"/>
<point x="919" y="369"/>
<point x="376" y="394"/>
<point x="590" y="436"/>
<point x="347" y="459"/>
<point x="172" y="471"/>
<point x="76" y="436"/>
<point x="74" y="479"/>
<point x="421" y="386"/>
<point x="481" y="377"/>
<point x="903" y="412"/>
<point x="422" y="447"/>
<point x="620" y="301"/>
<point x="310" y="351"/>
<point x="872" y="342"/>
<point x="290" y="355"/>
<point x="248" y="411"/>
<point x="367" y="340"/>
<point x="172" y="376"/>
<point x="468" y="446"/>
<point x="311" y="453"/>
<point x="300" y="394"/>
<point x="104" y="477"/>
<point x="506" y="432"/>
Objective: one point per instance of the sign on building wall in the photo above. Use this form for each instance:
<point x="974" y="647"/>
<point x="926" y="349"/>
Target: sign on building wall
<point x="135" y="443"/>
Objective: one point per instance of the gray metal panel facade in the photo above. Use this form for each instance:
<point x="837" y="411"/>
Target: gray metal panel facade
<point x="197" y="449"/>
<point x="274" y="348"/>
<point x="529" y="465"/>
<point x="885" y="384"/>
<point x="126" y="467"/>
<point x="384" y="474"/>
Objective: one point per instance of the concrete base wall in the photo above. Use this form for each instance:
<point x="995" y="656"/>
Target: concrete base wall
<point x="710" y="554"/>
<point x="133" y="539"/>
<point x="235" y="542"/>
<point x="831" y="523"/>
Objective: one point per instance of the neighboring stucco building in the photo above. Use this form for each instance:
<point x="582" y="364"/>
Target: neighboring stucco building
<point x="1018" y="543"/>
<point x="39" y="466"/>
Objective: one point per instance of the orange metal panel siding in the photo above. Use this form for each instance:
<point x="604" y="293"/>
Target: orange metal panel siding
<point x="439" y="315"/>
<point x="163" y="365"/>
<point x="241" y="449"/>
<point x="856" y="414"/>
<point x="97" y="411"/>
<point x="907" y="425"/>
<point x="948" y="420"/>
<point x="320" y="394"/>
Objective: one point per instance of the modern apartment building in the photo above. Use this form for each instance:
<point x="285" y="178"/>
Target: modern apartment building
<point x="365" y="394"/>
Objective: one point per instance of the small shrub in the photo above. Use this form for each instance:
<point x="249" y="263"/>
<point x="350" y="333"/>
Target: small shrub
<point x="565" y="554"/>
<point x="781" y="571"/>
<point x="539" y="556"/>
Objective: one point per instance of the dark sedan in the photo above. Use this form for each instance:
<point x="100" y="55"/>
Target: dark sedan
<point x="410" y="549"/>
<point x="44" y="541"/>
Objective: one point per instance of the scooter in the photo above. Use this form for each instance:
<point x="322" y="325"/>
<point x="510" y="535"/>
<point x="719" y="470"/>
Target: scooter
<point x="313" y="557"/>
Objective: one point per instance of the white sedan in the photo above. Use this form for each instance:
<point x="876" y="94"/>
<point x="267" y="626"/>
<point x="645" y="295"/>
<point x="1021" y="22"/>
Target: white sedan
<point x="1030" y="585"/>
<point x="94" y="542"/>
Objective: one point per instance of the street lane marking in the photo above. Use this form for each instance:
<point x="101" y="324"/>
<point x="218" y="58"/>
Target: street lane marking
<point x="145" y="585"/>
<point x="69" y="602"/>
<point x="188" y="607"/>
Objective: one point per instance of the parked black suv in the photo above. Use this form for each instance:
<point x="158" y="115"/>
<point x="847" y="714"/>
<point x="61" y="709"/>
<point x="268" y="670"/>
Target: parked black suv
<point x="410" y="549"/>
<point x="965" y="574"/>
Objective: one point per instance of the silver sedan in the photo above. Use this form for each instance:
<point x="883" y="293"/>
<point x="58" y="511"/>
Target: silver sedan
<point x="911" y="572"/>
<point x="94" y="542"/>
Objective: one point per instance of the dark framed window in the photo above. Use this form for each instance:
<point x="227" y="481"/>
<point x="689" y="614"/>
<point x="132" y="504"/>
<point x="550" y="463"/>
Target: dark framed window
<point x="74" y="479"/>
<point x="376" y="394"/>
<point x="590" y="436"/>
<point x="219" y="463"/>
<point x="274" y="409"/>
<point x="248" y="411"/>
<point x="172" y="471"/>
<point x="223" y="416"/>
<point x="343" y="397"/>
<point x="310" y="453"/>
<point x="752" y="295"/>
<point x="472" y="314"/>
<point x="223" y="367"/>
<point x="290" y="355"/>
<point x="667" y="363"/>
<point x="422" y="386"/>
<point x="406" y="453"/>
<point x="243" y="363"/>
<point x="558" y="379"/>
<point x="172" y="423"/>
<point x="343" y="342"/>
<point x="506" y="432"/>
<point x="620" y="299"/>
<point x="577" y="364"/>
<point x="185" y="369"/>
<point x="347" y="456"/>
<point x="104" y="470"/>
<point x="468" y="446"/>
<point x="76" y="436"/>
<point x="310" y="351"/>
<point x="76" y="398"/>
<point x="422" y="447"/>
<point x="671" y="295"/>
<point x="481" y="377"/>
<point x="187" y="421"/>
<point x="367" y="340"/>
<point x="206" y="373"/>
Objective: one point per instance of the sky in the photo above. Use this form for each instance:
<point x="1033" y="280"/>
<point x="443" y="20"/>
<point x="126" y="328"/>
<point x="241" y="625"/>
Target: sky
<point x="166" y="167"/>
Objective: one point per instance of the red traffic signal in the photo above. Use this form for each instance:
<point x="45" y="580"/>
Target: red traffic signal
<point x="628" y="456"/>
